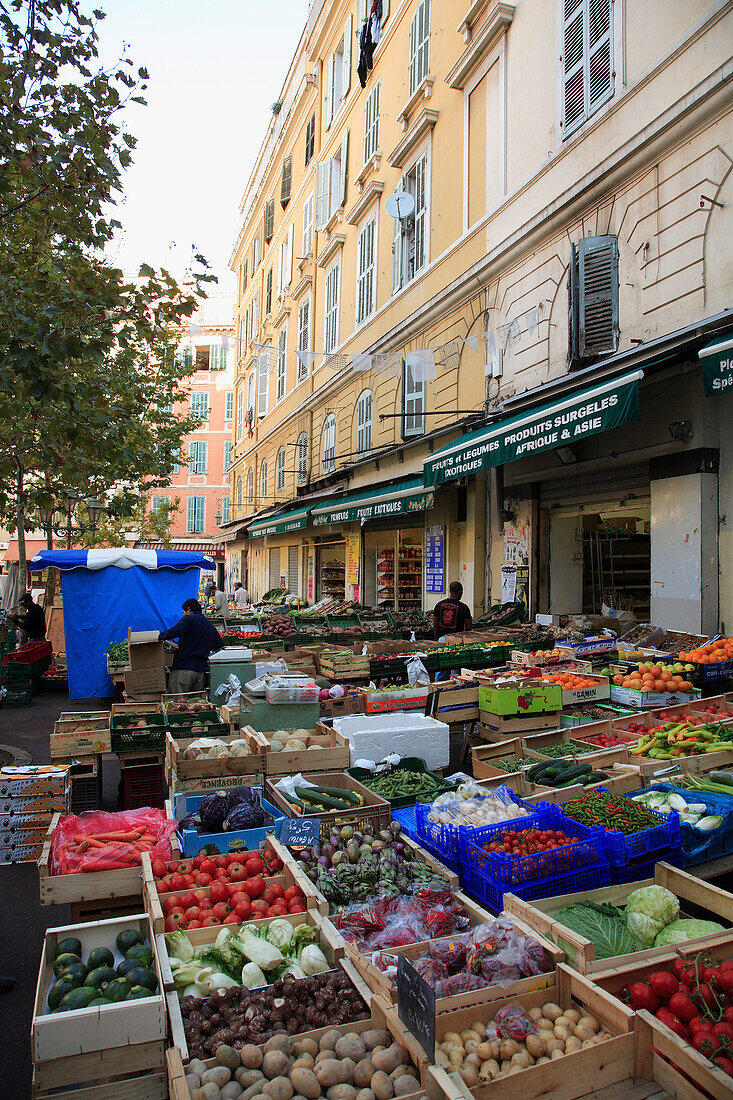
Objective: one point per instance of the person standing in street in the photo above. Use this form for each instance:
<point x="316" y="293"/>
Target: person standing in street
<point x="451" y="616"/>
<point x="221" y="604"/>
<point x="197" y="638"/>
<point x="33" y="622"/>
<point x="241" y="596"/>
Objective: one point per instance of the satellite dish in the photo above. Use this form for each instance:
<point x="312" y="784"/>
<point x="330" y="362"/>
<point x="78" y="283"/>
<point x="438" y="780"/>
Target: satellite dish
<point x="400" y="205"/>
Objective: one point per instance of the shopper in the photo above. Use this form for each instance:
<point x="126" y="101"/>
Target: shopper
<point x="197" y="638"/>
<point x="241" y="596"/>
<point x="33" y="622"/>
<point x="451" y="616"/>
<point x="221" y="604"/>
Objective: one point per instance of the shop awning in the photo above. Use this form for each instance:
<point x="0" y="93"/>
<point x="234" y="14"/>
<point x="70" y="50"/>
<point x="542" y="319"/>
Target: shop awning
<point x="32" y="546"/>
<point x="567" y="419"/>
<point x="377" y="503"/>
<point x="716" y="360"/>
<point x="295" y="519"/>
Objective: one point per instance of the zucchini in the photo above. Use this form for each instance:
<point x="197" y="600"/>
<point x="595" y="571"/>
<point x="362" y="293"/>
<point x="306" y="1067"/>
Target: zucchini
<point x="594" y="777"/>
<point x="576" y="771"/>
<point x="536" y="769"/>
<point x="726" y="778"/>
<point x="343" y="795"/>
<point x="323" y="801"/>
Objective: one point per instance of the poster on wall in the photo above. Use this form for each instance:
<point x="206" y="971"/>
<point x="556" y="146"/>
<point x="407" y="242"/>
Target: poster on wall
<point x="515" y="569"/>
<point x="435" y="559"/>
<point x="310" y="578"/>
<point x="353" y="543"/>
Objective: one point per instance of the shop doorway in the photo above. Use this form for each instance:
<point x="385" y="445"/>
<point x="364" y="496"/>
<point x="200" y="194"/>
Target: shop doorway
<point x="331" y="570"/>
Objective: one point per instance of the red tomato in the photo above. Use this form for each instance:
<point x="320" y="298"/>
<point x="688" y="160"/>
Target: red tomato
<point x="188" y="899"/>
<point x="218" y="892"/>
<point x="682" y="1006"/>
<point x="237" y="872"/>
<point x="711" y="974"/>
<point x="254" y="866"/>
<point x="641" y="995"/>
<point x="193" y="913"/>
<point x="174" y="921"/>
<point x="208" y="865"/>
<point x="205" y="903"/>
<point x="255" y="886"/>
<point x="238" y="857"/>
<point x="296" y="907"/>
<point x="172" y="866"/>
<point x="275" y="865"/>
<point x="184" y="866"/>
<point x="221" y="861"/>
<point x="293" y="892"/>
<point x="173" y="901"/>
<point x="259" y="907"/>
<point x="726" y="965"/>
<point x="189" y="880"/>
<point x="705" y="994"/>
<point x="158" y="868"/>
<point x="705" y="1042"/>
<point x="208" y="922"/>
<point x="178" y="883"/>
<point x="243" y="910"/>
<point x="204" y="879"/>
<point x="700" y="1024"/>
<point x="724" y="1063"/>
<point x="276" y="890"/>
<point x="221" y="909"/>
<point x="726" y="982"/>
<point x="220" y="875"/>
<point x="723" y="1028"/>
<point x="672" y="1022"/>
<point x="193" y="924"/>
<point x="237" y="896"/>
<point x="268" y="896"/>
<point x="728" y="1015"/>
<point x="198" y="860"/>
<point x="663" y="984"/>
<point x="231" y="918"/>
<point x="163" y="886"/>
<point x="199" y="893"/>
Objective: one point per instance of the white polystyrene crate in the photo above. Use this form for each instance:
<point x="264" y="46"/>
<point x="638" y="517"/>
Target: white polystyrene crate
<point x="373" y="736"/>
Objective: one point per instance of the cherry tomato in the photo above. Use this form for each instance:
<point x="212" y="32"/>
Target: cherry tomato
<point x="663" y="984"/>
<point x="723" y="1063"/>
<point x="672" y="1022"/>
<point x="705" y="994"/>
<point x="711" y="974"/>
<point x="275" y="865"/>
<point x="218" y="892"/>
<point x="723" y="1028"/>
<point x="700" y="1024"/>
<point x="705" y="1042"/>
<point x="726" y="982"/>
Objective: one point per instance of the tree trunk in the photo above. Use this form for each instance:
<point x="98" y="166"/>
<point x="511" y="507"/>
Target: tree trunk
<point x="20" y="519"/>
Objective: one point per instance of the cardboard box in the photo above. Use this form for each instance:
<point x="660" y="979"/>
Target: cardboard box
<point x="381" y="702"/>
<point x="34" y="781"/>
<point x="644" y="700"/>
<point x="588" y="645"/>
<point x="145" y="685"/>
<point x="147" y="663"/>
<point x="531" y="697"/>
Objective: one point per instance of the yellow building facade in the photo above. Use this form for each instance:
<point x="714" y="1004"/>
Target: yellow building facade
<point x="532" y="195"/>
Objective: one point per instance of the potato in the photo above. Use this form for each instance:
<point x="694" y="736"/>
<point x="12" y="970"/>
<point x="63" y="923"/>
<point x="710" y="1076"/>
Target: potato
<point x="365" y="1094"/>
<point x="441" y="1059"/>
<point x="332" y="1072"/>
<point x="198" y="1067"/>
<point x="275" y="1064"/>
<point x="542" y="1061"/>
<point x="554" y="1044"/>
<point x="488" y="1071"/>
<point x="544" y="1024"/>
<point x="228" y="1056"/>
<point x="279" y="1042"/>
<point x="471" y="1046"/>
<point x="505" y="1065"/>
<point x="471" y="1034"/>
<point x="363" y="1073"/>
<point x="279" y="1088"/>
<point x="231" y="1091"/>
<point x="535" y="1013"/>
<point x="381" y="1086"/>
<point x="564" y="1021"/>
<point x="247" y="1077"/>
<point x="404" y="1085"/>
<point x="479" y="1027"/>
<point x="305" y="1082"/>
<point x="572" y="1014"/>
<point x="329" y="1039"/>
<point x="587" y="1043"/>
<point x="322" y="1056"/>
<point x="590" y="1022"/>
<point x="193" y="1080"/>
<point x="303" y="1046"/>
<point x="508" y="1048"/>
<point x="551" y="1011"/>
<point x="341" y="1092"/>
<point x="546" y="1034"/>
<point x="402" y="1071"/>
<point x="303" y="1061"/>
<point x="572" y="1046"/>
<point x="350" y="1046"/>
<point x="456" y="1059"/>
<point x="561" y="1032"/>
<point x="389" y="1059"/>
<point x="378" y="1038"/>
<point x="452" y="1036"/>
<point x="583" y="1032"/>
<point x="485" y="1051"/>
<point x="557" y="1054"/>
<point x="250" y="1056"/>
<point x="350" y="1065"/>
<point x="535" y="1046"/>
<point x="252" y="1090"/>
<point x="469" y="1075"/>
<point x="218" y="1076"/>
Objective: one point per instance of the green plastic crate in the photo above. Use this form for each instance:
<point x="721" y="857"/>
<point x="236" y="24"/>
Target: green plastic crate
<point x="17" y="696"/>
<point x="408" y="764"/>
<point x="340" y="622"/>
<point x="151" y="736"/>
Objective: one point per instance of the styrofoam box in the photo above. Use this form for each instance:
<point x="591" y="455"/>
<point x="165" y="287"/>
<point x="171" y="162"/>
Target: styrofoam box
<point x="373" y="736"/>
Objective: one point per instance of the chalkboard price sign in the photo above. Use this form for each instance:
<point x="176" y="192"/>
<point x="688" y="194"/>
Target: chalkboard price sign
<point x="416" y="1005"/>
<point x="301" y="830"/>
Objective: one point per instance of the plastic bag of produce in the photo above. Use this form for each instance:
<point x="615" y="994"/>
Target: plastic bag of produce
<point x="512" y="1022"/>
<point x="102" y="841"/>
<point x="230" y="691"/>
<point x="417" y="674"/>
<point x="451" y="953"/>
<point x="431" y="971"/>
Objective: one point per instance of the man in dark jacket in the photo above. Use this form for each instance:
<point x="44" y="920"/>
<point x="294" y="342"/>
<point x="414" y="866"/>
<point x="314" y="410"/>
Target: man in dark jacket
<point x="451" y="616"/>
<point x="33" y="622"/>
<point x="197" y="638"/>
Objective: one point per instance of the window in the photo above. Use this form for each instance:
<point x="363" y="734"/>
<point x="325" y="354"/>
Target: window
<point x="253" y="316"/>
<point x="329" y="444"/>
<point x="240" y="413"/>
<point x="308" y="225"/>
<point x="420" y="44"/>
<point x="244" y="278"/>
<point x="188" y="357"/>
<point x="263" y="480"/>
<point x="200" y="405"/>
<point x="365" y="272"/>
<point x="331" y="314"/>
<point x="332" y="183"/>
<point x="411" y="235"/>
<point x="282" y="344"/>
<point x="217" y="357"/>
<point x="304" y="326"/>
<point x="371" y="123"/>
<point x="263" y="389"/>
<point x="364" y="422"/>
<point x="250" y="486"/>
<point x="227" y="454"/>
<point x="302" y="458"/>
<point x="176" y="455"/>
<point x="286" y="181"/>
<point x="159" y="504"/>
<point x="285" y="264"/>
<point x="593" y="298"/>
<point x="239" y="492"/>
<point x="281" y="469"/>
<point x="363" y="8"/>
<point x="228" y="405"/>
<point x="241" y="339"/>
<point x="268" y="292"/>
<point x="587" y="60"/>
<point x="255" y="252"/>
<point x="338" y="72"/>
<point x="195" y="515"/>
<point x="251" y="396"/>
<point x="293" y="553"/>
<point x="413" y="403"/>
<point x="310" y="139"/>
<point x="269" y="220"/>
<point x="226" y="510"/>
<point x="198" y="457"/>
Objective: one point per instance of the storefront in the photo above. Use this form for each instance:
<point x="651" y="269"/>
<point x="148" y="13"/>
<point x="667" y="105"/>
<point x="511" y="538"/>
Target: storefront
<point x="275" y="547"/>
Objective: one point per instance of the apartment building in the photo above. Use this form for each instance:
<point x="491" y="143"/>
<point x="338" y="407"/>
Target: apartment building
<point x="483" y="301"/>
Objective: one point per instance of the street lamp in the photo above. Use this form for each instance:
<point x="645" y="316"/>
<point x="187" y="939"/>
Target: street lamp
<point x="218" y="518"/>
<point x="94" y="509"/>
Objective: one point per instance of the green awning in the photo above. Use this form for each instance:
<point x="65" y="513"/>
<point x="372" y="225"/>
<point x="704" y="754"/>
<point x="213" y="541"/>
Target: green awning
<point x="377" y="503"/>
<point x="293" y="520"/>
<point x="717" y="366"/>
<point x="599" y="408"/>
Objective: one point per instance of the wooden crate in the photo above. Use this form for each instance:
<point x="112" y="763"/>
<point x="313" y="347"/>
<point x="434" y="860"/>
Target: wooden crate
<point x="98" y="886"/>
<point x="137" y="708"/>
<point x="342" y="708"/>
<point x="567" y="1078"/>
<point x="104" y="1074"/>
<point x="381" y="984"/>
<point x="483" y="756"/>
<point x="80" y="734"/>
<point x="697" y="765"/>
<point x="495" y="727"/>
<point x="622" y="778"/>
<point x="59" y="1035"/>
<point x="533" y="745"/>
<point x="230" y="715"/>
<point x="211" y="768"/>
<point x="456" y="701"/>
<point x="344" y="666"/>
<point x="662" y="1056"/>
<point x="206" y="784"/>
<point x="333" y="753"/>
<point x="374" y="811"/>
<point x="540" y="916"/>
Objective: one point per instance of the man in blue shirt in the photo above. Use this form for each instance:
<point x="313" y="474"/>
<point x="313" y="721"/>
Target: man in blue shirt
<point x="197" y="638"/>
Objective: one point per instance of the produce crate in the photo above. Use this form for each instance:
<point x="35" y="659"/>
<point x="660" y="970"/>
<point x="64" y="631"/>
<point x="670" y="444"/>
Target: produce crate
<point x="658" y="838"/>
<point x="645" y="700"/>
<point x="622" y="778"/>
<point x="511" y="700"/>
<point x="343" y="664"/>
<point x="207" y="784"/>
<point x="643" y="867"/>
<point x="80" y="734"/>
<point x="254" y="764"/>
<point x="383" y="702"/>
<point x="444" y="841"/>
<point x="406" y="764"/>
<point x="96" y="887"/>
<point x="142" y="783"/>
<point x="453" y="701"/>
<point x="343" y="622"/>
<point x="188" y="697"/>
<point x="534" y="744"/>
<point x="696" y="846"/>
<point x="341" y="708"/>
<point x="723" y="701"/>
<point x="86" y="786"/>
<point x="495" y="727"/>
<point x="235" y="840"/>
<point x="83" y="1031"/>
<point x="30" y="653"/>
<point x="332" y="753"/>
<point x="375" y="811"/>
<point x="104" y="1075"/>
<point x="212" y="722"/>
<point x="693" y="894"/>
<point x="599" y="691"/>
<point x="583" y="715"/>
<point x="675" y="1065"/>
<point x="141" y="738"/>
<point x="14" y="697"/>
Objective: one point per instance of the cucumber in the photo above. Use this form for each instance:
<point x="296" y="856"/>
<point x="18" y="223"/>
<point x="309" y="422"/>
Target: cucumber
<point x="342" y="794"/>
<point x="535" y="770"/>
<point x="313" y="794"/>
<point x="576" y="772"/>
<point x="726" y="778"/>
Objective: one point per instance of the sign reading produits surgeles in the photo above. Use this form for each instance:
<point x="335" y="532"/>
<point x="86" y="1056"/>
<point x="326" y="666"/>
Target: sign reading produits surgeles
<point x="565" y="421"/>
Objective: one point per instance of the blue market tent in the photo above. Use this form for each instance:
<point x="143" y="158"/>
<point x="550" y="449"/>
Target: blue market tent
<point x="107" y="591"/>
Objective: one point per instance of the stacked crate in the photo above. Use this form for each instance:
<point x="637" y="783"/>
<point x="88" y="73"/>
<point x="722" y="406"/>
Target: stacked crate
<point x="29" y="797"/>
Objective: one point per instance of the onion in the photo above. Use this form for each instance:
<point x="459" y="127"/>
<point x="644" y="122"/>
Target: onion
<point x="398" y="848"/>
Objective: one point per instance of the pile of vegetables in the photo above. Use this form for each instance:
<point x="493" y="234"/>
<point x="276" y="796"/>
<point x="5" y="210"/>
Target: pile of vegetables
<point x="402" y="783"/>
<point x="226" y="811"/>
<point x="97" y="982"/>
<point x="319" y="799"/>
<point x="719" y="782"/>
<point x="692" y="813"/>
<point x="282" y="626"/>
<point x="338" y="1066"/>
<point x="253" y="956"/>
<point x="682" y="738"/>
<point x="238" y="1017"/>
<point x="300" y="739"/>
<point x="397" y="921"/>
<point x="212" y="749"/>
<point x="178" y="875"/>
<point x="694" y="998"/>
<point x="566" y="748"/>
<point x="187" y="706"/>
<point x="512" y="763"/>
<point x="354" y="865"/>
<point x="516" y="1040"/>
<point x="564" y="773"/>
<point x="490" y="809"/>
<point x="118" y="653"/>
<point x="611" y="812"/>
<point x="102" y="841"/>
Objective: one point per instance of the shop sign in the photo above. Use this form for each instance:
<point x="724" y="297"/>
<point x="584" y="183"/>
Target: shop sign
<point x="435" y="559"/>
<point x="583" y="414"/>
<point x="717" y="367"/>
<point x="281" y="528"/>
<point x="376" y="509"/>
<point x="352" y="559"/>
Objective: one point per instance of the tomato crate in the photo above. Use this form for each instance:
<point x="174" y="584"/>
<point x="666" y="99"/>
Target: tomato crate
<point x="444" y="841"/>
<point x="623" y="848"/>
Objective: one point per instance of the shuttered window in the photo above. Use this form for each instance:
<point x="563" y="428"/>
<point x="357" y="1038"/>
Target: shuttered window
<point x="293" y="553"/>
<point x="226" y="510"/>
<point x="198" y="457"/>
<point x="274" y="567"/>
<point x="255" y="252"/>
<point x="286" y="181"/>
<point x="268" y="292"/>
<point x="239" y="492"/>
<point x="188" y="357"/>
<point x="331" y="313"/>
<point x="594" y="318"/>
<point x="227" y="455"/>
<point x="269" y="221"/>
<point x="587" y="60"/>
<point x="329" y="444"/>
<point x="200" y="405"/>
<point x="411" y="235"/>
<point x="302" y="458"/>
<point x="308" y="225"/>
<point x="195" y="515"/>
<point x="323" y="194"/>
<point x="244" y="277"/>
<point x="263" y="390"/>
<point x="310" y="139"/>
<point x="263" y="480"/>
<point x="240" y="413"/>
<point x="413" y="403"/>
<point x="281" y="469"/>
<point x="371" y="123"/>
<point x="217" y="357"/>
<point x="419" y="44"/>
<point x="250" y="486"/>
<point x="304" y="331"/>
<point x="282" y="343"/>
<point x="364" y="422"/>
<point x="366" y="268"/>
<point x="159" y="504"/>
<point x="228" y="404"/>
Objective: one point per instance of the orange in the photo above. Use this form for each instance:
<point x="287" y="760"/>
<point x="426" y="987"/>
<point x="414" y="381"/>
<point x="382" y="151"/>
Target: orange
<point x="660" y="685"/>
<point x="618" y="680"/>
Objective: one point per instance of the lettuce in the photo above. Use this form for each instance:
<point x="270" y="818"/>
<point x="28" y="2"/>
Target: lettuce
<point x="654" y="901"/>
<point x="686" y="929"/>
<point x="643" y="928"/>
<point x="604" y="925"/>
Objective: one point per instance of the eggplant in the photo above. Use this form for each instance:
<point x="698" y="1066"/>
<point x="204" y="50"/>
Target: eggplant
<point x="352" y="851"/>
<point x="334" y="840"/>
<point x="316" y="851"/>
<point x="395" y="828"/>
<point x="368" y="830"/>
<point x="305" y="855"/>
<point x="338" y="857"/>
<point x="324" y="861"/>
<point x="378" y="846"/>
<point x="327" y="851"/>
<point x="398" y="848"/>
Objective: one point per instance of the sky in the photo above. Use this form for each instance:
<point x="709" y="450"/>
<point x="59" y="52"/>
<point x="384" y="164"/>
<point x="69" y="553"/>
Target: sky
<point x="215" y="68"/>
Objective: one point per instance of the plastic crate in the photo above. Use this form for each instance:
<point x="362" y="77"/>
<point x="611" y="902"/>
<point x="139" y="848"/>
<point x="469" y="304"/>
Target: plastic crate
<point x="17" y="696"/>
<point x="444" y="841"/>
<point x="86" y="793"/>
<point x="407" y="820"/>
<point x="491" y="894"/>
<point x="142" y="785"/>
<point x="639" y="869"/>
<point x="407" y="764"/>
<point x="696" y="846"/>
<point x="622" y="848"/>
<point x="29" y="653"/>
<point x="236" y="840"/>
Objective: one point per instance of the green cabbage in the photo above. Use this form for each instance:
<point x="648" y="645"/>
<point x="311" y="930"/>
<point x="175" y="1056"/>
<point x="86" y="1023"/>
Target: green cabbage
<point x="603" y="925"/>
<point x="686" y="929"/>
<point x="643" y="928"/>
<point x="655" y="902"/>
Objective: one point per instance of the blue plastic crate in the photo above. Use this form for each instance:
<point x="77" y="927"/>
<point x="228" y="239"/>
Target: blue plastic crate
<point x="623" y="848"/>
<point x="444" y="841"/>
<point x="491" y="894"/>
<point x="644" y="868"/>
<point x="407" y="820"/>
<point x="697" y="846"/>
<point x="234" y="841"/>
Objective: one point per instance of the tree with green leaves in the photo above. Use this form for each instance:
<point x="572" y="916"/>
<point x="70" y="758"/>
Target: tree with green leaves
<point x="88" y="372"/>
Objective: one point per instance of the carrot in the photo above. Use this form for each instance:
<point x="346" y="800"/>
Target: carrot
<point x="120" y="835"/>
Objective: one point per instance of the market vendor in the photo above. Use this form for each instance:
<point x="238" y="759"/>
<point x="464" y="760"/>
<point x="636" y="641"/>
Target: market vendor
<point x="197" y="638"/>
<point x="241" y="596"/>
<point x="221" y="604"/>
<point x="451" y="616"/>
<point x="33" y="622"/>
